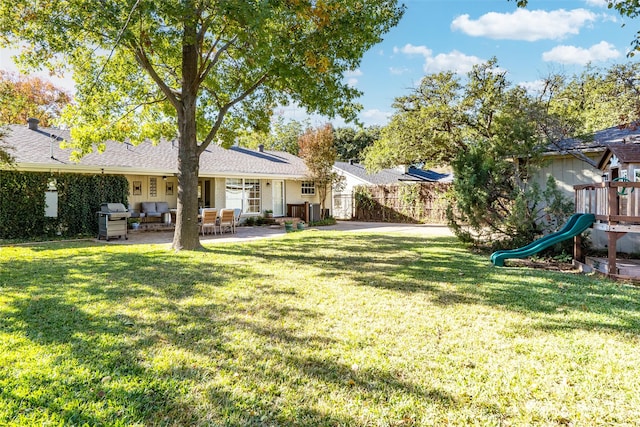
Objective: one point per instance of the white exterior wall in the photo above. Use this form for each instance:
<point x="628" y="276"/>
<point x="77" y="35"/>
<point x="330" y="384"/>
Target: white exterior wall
<point x="294" y="196"/>
<point x="343" y="209"/>
<point x="569" y="171"/>
<point x="293" y="192"/>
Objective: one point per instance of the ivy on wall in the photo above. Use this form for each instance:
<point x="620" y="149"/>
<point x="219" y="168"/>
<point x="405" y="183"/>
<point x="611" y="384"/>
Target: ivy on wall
<point x="22" y="203"/>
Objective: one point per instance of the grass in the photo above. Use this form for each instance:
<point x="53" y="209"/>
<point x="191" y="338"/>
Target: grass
<point x="317" y="328"/>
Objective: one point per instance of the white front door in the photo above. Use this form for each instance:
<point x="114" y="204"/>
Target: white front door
<point x="278" y="197"/>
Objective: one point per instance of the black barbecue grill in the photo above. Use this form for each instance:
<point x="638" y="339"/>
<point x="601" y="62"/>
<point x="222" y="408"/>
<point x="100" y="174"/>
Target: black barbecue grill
<point x="112" y="220"/>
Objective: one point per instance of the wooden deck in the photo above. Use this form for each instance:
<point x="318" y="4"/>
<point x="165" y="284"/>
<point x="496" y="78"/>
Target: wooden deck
<point x="616" y="205"/>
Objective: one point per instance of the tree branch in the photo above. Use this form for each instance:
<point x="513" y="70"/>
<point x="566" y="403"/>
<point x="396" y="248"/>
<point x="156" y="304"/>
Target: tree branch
<point x="134" y="108"/>
<point x="144" y="62"/>
<point x="212" y="62"/>
<point x="223" y="111"/>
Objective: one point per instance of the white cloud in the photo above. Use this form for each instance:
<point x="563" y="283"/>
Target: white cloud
<point x="351" y="77"/>
<point x="375" y="117"/>
<point x="398" y="71"/>
<point x="602" y="51"/>
<point x="410" y="49"/>
<point x="452" y="61"/>
<point x="534" y="86"/>
<point x="524" y="24"/>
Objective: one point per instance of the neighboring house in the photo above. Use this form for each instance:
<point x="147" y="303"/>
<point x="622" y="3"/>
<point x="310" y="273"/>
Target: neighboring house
<point x="355" y="174"/>
<point x="574" y="161"/>
<point x="252" y="180"/>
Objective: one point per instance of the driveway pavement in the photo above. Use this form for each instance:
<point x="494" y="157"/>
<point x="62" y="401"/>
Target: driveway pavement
<point x="253" y="233"/>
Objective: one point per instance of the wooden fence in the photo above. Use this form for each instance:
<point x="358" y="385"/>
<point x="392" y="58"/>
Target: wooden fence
<point x="410" y="203"/>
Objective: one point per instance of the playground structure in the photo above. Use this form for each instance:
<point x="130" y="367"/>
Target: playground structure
<point x="616" y="207"/>
<point x="611" y="206"/>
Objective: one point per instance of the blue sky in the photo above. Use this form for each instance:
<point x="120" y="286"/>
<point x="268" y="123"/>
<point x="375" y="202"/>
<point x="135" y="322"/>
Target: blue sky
<point x="436" y="35"/>
<point x="558" y="36"/>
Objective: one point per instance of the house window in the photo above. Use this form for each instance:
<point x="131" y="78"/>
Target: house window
<point x="243" y="194"/>
<point x="308" y="188"/>
<point x="153" y="187"/>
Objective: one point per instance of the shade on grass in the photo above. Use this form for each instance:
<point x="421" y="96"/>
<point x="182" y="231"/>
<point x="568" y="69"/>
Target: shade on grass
<point x="314" y="328"/>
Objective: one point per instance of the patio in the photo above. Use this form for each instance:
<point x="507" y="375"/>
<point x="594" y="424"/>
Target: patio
<point x="244" y="233"/>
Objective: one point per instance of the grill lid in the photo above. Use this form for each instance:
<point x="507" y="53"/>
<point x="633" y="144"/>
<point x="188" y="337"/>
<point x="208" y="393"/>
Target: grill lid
<point x="112" y="207"/>
<point x="114" y="210"/>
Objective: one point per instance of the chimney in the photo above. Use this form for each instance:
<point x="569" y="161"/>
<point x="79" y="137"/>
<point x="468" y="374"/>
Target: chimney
<point x="33" y="123"/>
<point x="351" y="162"/>
<point x="261" y="148"/>
<point x="402" y="168"/>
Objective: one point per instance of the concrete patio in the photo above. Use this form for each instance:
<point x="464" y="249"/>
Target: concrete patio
<point x="245" y="234"/>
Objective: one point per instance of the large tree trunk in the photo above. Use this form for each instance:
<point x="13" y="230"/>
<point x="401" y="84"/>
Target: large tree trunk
<point x="186" y="235"/>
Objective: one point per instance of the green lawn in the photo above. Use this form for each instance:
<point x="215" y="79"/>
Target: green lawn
<point x="315" y="328"/>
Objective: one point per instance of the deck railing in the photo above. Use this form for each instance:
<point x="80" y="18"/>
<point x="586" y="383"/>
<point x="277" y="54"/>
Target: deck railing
<point x="611" y="201"/>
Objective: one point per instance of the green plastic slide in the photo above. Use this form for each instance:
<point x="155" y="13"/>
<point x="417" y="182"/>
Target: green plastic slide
<point x="577" y="224"/>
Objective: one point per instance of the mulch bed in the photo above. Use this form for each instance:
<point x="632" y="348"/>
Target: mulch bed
<point x="550" y="264"/>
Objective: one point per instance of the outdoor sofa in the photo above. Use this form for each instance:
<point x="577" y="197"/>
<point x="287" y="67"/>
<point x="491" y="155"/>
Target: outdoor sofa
<point x="155" y="211"/>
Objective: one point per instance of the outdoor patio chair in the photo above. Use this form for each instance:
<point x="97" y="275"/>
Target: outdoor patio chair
<point x="209" y="218"/>
<point x="227" y="220"/>
<point x="236" y="216"/>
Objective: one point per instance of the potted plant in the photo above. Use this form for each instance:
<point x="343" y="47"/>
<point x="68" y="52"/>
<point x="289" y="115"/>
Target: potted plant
<point x="134" y="223"/>
<point x="288" y="226"/>
<point x="268" y="213"/>
<point x="300" y="225"/>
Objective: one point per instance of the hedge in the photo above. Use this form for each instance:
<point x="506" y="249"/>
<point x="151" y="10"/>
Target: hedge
<point x="22" y="203"/>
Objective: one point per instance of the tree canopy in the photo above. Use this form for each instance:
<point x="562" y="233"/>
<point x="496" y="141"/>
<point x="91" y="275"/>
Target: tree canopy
<point x="351" y="142"/>
<point x="319" y="153"/>
<point x="198" y="70"/>
<point x="476" y="125"/>
<point x="283" y="136"/>
<point x="22" y="97"/>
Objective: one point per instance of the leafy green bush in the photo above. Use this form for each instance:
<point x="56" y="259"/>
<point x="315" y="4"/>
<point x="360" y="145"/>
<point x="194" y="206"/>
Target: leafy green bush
<point x="22" y="203"/>
<point x="327" y="221"/>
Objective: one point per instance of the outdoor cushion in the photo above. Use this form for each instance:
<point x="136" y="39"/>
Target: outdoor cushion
<point x="162" y="207"/>
<point x="149" y="209"/>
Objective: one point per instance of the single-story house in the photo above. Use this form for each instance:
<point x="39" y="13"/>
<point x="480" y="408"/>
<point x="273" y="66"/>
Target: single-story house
<point x="355" y="174"/>
<point x="252" y="180"/>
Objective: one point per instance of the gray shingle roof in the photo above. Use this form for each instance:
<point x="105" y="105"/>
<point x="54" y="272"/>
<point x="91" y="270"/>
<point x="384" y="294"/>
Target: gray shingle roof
<point x="40" y="149"/>
<point x="599" y="140"/>
<point x="392" y="176"/>
<point x="626" y="153"/>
